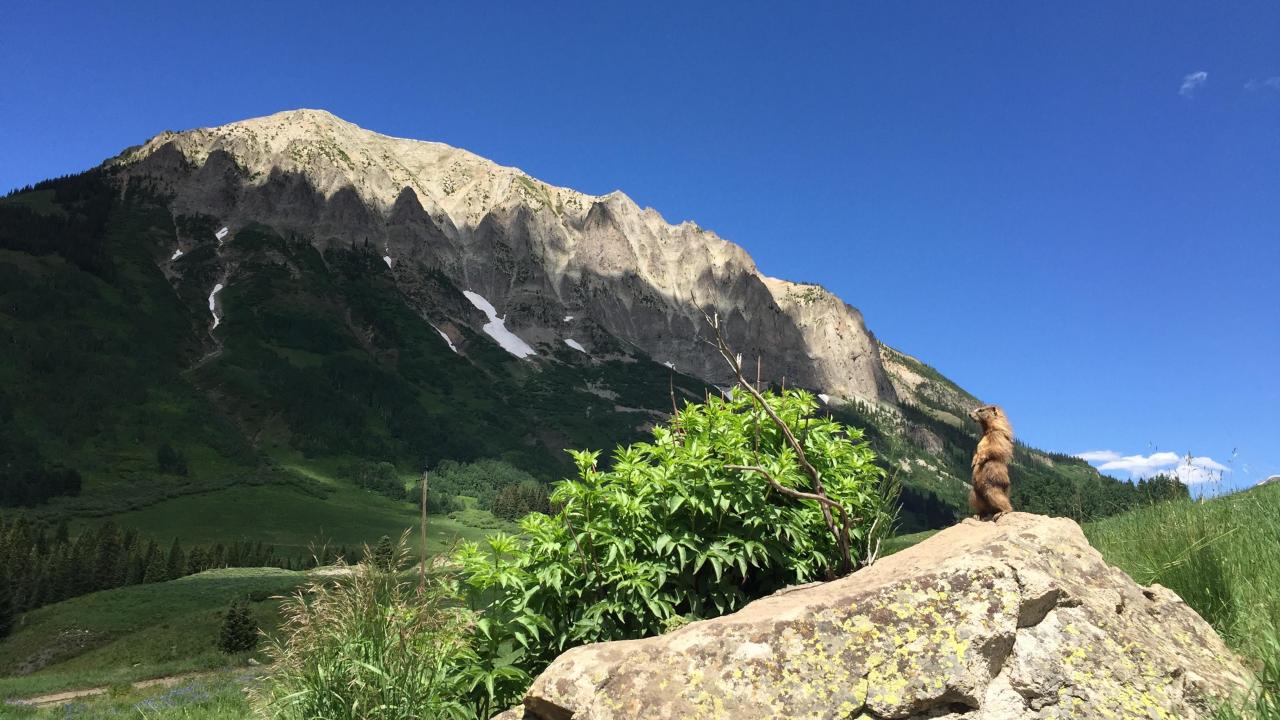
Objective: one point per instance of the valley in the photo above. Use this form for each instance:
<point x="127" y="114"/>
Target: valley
<point x="265" y="335"/>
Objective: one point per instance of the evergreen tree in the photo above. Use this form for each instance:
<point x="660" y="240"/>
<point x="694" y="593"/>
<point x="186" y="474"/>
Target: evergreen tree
<point x="196" y="561"/>
<point x="59" y="585"/>
<point x="156" y="567"/>
<point x="107" y="564"/>
<point x="239" y="633"/>
<point x="137" y="569"/>
<point x="177" y="562"/>
<point x="7" y="611"/>
<point x="383" y="555"/>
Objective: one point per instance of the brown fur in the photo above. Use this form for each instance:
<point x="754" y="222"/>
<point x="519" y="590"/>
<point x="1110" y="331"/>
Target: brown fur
<point x="990" y="493"/>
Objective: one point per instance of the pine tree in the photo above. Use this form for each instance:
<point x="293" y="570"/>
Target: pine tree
<point x="7" y="611"/>
<point x="58" y="586"/>
<point x="108" y="558"/>
<point x="137" y="567"/>
<point x="383" y="555"/>
<point x="177" y="562"/>
<point x="156" y="567"/>
<point x="239" y="633"/>
<point x="196" y="561"/>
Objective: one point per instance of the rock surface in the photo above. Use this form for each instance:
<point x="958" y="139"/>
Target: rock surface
<point x="536" y="252"/>
<point x="1019" y="618"/>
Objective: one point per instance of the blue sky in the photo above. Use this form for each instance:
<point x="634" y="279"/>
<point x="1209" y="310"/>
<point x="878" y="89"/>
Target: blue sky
<point x="1069" y="208"/>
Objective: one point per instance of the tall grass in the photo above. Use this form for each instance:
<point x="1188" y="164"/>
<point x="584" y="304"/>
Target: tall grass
<point x="369" y="643"/>
<point x="1223" y="558"/>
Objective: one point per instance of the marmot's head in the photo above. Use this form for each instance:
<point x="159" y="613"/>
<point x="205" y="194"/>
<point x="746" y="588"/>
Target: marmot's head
<point x="989" y="415"/>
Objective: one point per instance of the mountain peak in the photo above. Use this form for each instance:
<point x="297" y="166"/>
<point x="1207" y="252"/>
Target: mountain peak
<point x="515" y="240"/>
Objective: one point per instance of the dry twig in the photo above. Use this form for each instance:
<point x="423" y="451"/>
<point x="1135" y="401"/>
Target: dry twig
<point x="819" y="494"/>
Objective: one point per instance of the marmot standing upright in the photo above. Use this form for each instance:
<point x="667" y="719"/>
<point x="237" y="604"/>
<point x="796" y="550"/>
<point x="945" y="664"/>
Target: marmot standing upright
<point x="990" y="493"/>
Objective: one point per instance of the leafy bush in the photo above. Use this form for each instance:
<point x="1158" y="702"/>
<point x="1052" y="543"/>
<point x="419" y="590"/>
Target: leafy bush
<point x="671" y="532"/>
<point x="380" y="477"/>
<point x="370" y="644"/>
<point x="170" y="461"/>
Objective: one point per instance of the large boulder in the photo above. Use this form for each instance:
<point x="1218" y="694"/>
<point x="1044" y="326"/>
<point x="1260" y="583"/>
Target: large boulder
<point x="1018" y="618"/>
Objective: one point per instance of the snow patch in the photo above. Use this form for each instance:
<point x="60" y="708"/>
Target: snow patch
<point x="387" y="259"/>
<point x="446" y="338"/>
<point x="575" y="345"/>
<point x="213" y="306"/>
<point x="176" y="254"/>
<point x="496" y="328"/>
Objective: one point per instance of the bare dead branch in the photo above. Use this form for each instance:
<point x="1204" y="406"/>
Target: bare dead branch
<point x="819" y="494"/>
<point x="799" y="494"/>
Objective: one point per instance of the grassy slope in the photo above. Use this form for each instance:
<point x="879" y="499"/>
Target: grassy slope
<point x="135" y="632"/>
<point x="1220" y="556"/>
<point x="292" y="521"/>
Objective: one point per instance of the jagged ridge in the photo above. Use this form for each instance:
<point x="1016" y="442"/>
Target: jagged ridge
<point x="537" y="252"/>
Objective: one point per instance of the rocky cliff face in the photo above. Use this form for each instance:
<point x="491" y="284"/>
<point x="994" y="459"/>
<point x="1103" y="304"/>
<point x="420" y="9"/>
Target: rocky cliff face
<point x="1016" y="619"/>
<point x="556" y="265"/>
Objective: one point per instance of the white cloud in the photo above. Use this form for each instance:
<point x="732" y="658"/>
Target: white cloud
<point x="1190" y="470"/>
<point x="1096" y="456"/>
<point x="1192" y="83"/>
<point x="1271" y="83"/>
<point x="1140" y="466"/>
<point x="1199" y="470"/>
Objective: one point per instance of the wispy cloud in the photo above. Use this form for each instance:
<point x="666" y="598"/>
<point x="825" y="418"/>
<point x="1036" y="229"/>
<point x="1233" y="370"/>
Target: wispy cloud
<point x="1198" y="470"/>
<point x="1192" y="83"/>
<point x="1271" y="83"/>
<point x="1189" y="469"/>
<point x="1097" y="456"/>
<point x="1142" y="465"/>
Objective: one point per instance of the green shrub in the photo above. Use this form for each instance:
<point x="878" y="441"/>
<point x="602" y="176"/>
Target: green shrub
<point x="369" y="644"/>
<point x="170" y="461"/>
<point x="671" y="532"/>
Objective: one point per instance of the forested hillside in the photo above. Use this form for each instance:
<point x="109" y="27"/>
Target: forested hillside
<point x="119" y="393"/>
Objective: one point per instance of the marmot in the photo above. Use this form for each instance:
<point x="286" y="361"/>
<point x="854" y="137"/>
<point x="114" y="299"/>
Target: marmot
<point x="990" y="493"/>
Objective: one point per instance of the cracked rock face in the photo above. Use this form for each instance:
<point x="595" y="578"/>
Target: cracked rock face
<point x="535" y="251"/>
<point x="1020" y="618"/>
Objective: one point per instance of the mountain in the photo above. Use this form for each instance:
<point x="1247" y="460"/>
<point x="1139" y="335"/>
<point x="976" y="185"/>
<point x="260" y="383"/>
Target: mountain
<point x="269" y="297"/>
<point x="539" y="252"/>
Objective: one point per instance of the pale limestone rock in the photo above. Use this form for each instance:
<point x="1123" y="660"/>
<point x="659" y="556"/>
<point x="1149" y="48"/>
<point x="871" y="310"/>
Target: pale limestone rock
<point x="537" y="252"/>
<point x="1016" y="619"/>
